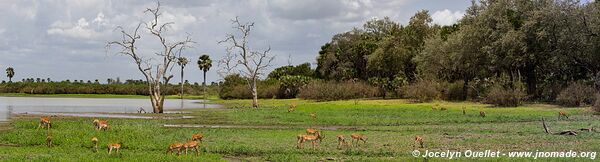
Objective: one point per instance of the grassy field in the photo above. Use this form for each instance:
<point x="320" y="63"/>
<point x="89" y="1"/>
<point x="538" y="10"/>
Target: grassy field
<point x="269" y="133"/>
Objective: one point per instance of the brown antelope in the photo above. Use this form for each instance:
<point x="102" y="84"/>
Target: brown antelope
<point x="312" y="138"/>
<point x="197" y="137"/>
<point x="98" y="123"/>
<point x="103" y="126"/>
<point x="49" y="140"/>
<point x="114" y="146"/>
<point x="358" y="138"/>
<point x="45" y="123"/>
<point x="342" y="141"/>
<point x="292" y="107"/>
<point x="191" y="145"/>
<point x="464" y="111"/>
<point x="95" y="142"/>
<point x="175" y="146"/>
<point x="311" y="131"/>
<point x="482" y="114"/>
<point x="419" y="140"/>
<point x="562" y="114"/>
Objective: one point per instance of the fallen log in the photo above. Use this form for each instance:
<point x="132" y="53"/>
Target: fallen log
<point x="565" y="132"/>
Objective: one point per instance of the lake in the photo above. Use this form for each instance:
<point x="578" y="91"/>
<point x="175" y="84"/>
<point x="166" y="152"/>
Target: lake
<point x="41" y="105"/>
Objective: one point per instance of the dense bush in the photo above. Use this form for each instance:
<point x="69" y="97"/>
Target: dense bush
<point x="423" y="91"/>
<point x="236" y="87"/>
<point x="290" y="85"/>
<point x="576" y="94"/>
<point x="505" y="97"/>
<point x="328" y="91"/>
<point x="453" y="91"/>
<point x="91" y="88"/>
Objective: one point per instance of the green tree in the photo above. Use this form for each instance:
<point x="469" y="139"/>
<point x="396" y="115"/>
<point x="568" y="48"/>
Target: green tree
<point x="10" y="73"/>
<point x="204" y="64"/>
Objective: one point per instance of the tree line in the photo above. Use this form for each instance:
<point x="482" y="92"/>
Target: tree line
<point x="545" y="45"/>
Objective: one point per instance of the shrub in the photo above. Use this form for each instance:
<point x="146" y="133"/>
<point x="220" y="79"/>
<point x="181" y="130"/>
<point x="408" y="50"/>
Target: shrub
<point x="328" y="91"/>
<point x="236" y="87"/>
<point x="423" y="91"/>
<point x="576" y="94"/>
<point x="505" y="97"/>
<point x="453" y="91"/>
<point x="290" y="85"/>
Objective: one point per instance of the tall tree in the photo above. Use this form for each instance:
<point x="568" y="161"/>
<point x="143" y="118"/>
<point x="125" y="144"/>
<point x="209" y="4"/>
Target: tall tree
<point x="254" y="63"/>
<point x="204" y="63"/>
<point x="182" y="61"/>
<point x="10" y="73"/>
<point x="156" y="73"/>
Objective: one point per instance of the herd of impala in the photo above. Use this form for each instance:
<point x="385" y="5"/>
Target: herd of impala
<point x="312" y="135"/>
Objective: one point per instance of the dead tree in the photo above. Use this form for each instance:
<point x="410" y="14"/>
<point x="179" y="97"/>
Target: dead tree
<point x="565" y="132"/>
<point x="155" y="69"/>
<point x="253" y="63"/>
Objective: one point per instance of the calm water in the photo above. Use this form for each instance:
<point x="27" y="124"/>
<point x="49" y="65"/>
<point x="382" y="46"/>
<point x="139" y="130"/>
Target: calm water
<point x="37" y="105"/>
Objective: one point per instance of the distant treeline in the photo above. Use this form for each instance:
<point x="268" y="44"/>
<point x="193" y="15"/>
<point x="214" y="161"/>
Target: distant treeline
<point x="501" y="52"/>
<point x="64" y="87"/>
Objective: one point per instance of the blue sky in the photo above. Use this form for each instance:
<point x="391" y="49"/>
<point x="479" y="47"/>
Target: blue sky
<point x="65" y="39"/>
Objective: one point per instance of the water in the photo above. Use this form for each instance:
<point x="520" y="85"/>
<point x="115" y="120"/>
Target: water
<point x="44" y="105"/>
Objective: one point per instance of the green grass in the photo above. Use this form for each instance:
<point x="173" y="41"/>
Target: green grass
<point x="96" y="96"/>
<point x="390" y="125"/>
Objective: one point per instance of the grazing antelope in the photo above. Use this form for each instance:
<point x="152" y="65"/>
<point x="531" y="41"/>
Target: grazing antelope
<point x="562" y="114"/>
<point x="464" y="110"/>
<point x="482" y="114"/>
<point x="358" y="138"/>
<point x="49" y="140"/>
<point x="191" y="145"/>
<point x="95" y="142"/>
<point x="45" y="123"/>
<point x="342" y="141"/>
<point x="311" y="131"/>
<point x="312" y="138"/>
<point x="419" y="140"/>
<point x="175" y="146"/>
<point x="292" y="107"/>
<point x="313" y="116"/>
<point x="114" y="146"/>
<point x="103" y="126"/>
<point x="97" y="123"/>
<point x="197" y="137"/>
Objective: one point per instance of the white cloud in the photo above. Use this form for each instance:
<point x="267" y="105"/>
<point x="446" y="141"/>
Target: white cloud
<point x="446" y="17"/>
<point x="79" y="30"/>
<point x="2" y="30"/>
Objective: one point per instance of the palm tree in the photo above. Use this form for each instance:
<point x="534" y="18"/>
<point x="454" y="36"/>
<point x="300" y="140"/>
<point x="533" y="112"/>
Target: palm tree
<point x="10" y="72"/>
<point x="182" y="61"/>
<point x="204" y="63"/>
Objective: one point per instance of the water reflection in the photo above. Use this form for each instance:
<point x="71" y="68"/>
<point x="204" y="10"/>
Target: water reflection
<point x="15" y="105"/>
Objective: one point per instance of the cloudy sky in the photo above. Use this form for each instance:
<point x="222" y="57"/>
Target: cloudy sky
<point x="65" y="39"/>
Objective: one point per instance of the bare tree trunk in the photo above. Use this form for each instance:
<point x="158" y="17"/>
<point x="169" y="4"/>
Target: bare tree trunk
<point x="181" y="82"/>
<point x="254" y="94"/>
<point x="204" y="85"/>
